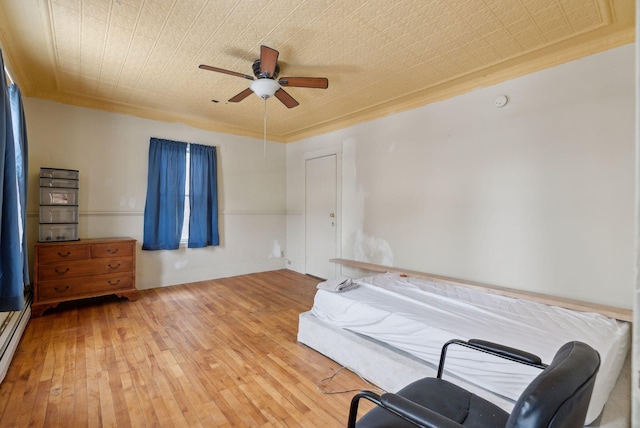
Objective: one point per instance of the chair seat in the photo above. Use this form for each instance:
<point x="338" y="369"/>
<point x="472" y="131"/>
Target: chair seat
<point x="445" y="398"/>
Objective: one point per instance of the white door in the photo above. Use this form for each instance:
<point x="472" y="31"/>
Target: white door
<point x="320" y="216"/>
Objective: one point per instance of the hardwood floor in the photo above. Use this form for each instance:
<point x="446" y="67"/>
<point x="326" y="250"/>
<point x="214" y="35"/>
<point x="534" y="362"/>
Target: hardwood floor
<point x="218" y="353"/>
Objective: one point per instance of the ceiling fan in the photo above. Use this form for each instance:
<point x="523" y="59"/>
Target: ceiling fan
<point x="265" y="85"/>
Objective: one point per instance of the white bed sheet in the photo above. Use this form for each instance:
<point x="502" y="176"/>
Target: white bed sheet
<point x="418" y="316"/>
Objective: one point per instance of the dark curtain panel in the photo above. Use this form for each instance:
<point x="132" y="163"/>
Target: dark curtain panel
<point x="22" y="169"/>
<point x="11" y="284"/>
<point x="203" y="197"/>
<point x="164" y="208"/>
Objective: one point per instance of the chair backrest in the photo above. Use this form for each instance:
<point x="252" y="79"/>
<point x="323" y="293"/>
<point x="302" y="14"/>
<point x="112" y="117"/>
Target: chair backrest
<point x="560" y="395"/>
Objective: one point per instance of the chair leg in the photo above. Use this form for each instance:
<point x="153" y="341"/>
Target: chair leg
<point x="353" y="410"/>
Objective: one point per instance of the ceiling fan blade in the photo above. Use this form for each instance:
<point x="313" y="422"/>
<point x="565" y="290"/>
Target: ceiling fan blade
<point x="268" y="61"/>
<point x="305" y="82"/>
<point x="286" y="99"/>
<point x="222" y="70"/>
<point x="241" y="96"/>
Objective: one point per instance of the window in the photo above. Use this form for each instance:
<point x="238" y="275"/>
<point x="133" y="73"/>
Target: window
<point x="184" y="238"/>
<point x="178" y="208"/>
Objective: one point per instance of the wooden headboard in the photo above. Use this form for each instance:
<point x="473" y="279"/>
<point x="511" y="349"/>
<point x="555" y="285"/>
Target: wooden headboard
<point x="576" y="305"/>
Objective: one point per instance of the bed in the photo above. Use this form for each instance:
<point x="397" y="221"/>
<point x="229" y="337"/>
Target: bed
<point x="390" y="330"/>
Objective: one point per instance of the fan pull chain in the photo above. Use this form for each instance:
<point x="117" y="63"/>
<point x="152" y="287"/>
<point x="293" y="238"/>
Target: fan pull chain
<point x="264" y="144"/>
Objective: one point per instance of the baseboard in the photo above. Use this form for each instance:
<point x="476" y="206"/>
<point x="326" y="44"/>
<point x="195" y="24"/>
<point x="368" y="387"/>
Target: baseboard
<point x="11" y="330"/>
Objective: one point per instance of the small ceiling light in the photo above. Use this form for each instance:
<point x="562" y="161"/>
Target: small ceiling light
<point x="264" y="88"/>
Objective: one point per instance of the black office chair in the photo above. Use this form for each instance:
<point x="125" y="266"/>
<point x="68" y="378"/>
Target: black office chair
<point x="558" y="397"/>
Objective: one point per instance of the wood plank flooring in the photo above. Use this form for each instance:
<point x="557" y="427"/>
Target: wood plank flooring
<point x="220" y="353"/>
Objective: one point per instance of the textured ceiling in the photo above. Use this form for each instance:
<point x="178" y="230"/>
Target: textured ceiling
<point x="141" y="57"/>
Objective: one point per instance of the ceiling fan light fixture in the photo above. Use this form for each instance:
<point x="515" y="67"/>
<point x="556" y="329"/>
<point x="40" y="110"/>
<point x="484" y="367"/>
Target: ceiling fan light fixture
<point x="265" y="87"/>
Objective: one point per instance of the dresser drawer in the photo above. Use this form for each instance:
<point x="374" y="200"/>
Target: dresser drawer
<point x="115" y="249"/>
<point x="92" y="285"/>
<point x="70" y="269"/>
<point x="57" y="253"/>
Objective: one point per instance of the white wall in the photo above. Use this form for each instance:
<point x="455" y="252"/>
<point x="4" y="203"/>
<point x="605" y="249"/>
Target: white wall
<point x="537" y="195"/>
<point x="111" y="152"/>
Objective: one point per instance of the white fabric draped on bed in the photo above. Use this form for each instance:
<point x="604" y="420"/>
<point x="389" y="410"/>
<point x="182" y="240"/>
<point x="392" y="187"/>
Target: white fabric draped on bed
<point x="418" y="316"/>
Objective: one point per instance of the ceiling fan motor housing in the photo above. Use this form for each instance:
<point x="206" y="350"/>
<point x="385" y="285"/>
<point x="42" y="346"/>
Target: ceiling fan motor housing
<point x="257" y="67"/>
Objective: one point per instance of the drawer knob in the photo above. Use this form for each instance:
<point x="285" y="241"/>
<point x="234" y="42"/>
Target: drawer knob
<point x="110" y="266"/>
<point x="68" y="253"/>
<point x="62" y="272"/>
<point x="66" y="287"/>
<point x="112" y="282"/>
<point x="110" y="251"/>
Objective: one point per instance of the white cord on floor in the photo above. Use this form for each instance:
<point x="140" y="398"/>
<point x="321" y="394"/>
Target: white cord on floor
<point x="370" y="386"/>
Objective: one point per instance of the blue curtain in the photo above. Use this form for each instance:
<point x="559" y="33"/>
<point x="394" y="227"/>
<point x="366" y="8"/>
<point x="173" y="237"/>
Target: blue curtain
<point x="203" y="197"/>
<point x="22" y="168"/>
<point x="164" y="208"/>
<point x="11" y="269"/>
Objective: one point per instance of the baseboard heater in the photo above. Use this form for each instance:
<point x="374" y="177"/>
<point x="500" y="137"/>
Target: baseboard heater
<point x="12" y="325"/>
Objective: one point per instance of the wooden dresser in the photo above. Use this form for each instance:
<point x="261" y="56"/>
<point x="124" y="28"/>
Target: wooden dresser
<point x="66" y="271"/>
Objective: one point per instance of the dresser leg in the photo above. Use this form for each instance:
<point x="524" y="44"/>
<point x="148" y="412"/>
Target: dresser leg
<point x="37" y="310"/>
<point x="131" y="295"/>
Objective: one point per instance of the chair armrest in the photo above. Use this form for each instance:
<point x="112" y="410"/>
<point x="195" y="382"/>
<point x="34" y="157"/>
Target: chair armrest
<point x="355" y="401"/>
<point x="492" y="348"/>
<point x="506" y="351"/>
<point x="415" y="413"/>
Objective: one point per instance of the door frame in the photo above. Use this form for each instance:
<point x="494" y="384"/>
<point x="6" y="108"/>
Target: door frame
<point x="337" y="151"/>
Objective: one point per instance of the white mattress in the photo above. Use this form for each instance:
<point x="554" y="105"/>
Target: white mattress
<point x="418" y="316"/>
